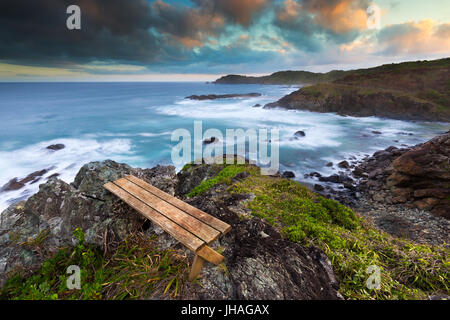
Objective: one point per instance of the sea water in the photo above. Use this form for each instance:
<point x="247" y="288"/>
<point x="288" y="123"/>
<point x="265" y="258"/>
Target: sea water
<point x="132" y="123"/>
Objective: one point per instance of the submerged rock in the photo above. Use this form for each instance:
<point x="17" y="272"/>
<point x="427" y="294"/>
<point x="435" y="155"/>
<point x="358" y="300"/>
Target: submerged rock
<point x="299" y="134"/>
<point x="16" y="184"/>
<point x="56" y="147"/>
<point x="210" y="140"/>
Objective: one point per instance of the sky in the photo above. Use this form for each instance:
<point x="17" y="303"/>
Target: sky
<point x="201" y="40"/>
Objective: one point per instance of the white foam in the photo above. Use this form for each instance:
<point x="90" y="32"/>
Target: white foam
<point x="66" y="162"/>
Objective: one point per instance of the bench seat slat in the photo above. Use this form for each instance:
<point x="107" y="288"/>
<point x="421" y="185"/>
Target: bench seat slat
<point x="192" y="242"/>
<point x="186" y="221"/>
<point x="197" y="213"/>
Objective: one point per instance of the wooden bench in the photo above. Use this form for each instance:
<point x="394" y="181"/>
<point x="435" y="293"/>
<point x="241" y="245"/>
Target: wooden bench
<point x="194" y="228"/>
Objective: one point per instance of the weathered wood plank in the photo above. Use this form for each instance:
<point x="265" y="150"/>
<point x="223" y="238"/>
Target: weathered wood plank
<point x="210" y="255"/>
<point x="186" y="221"/>
<point x="196" y="267"/>
<point x="197" y="213"/>
<point x="192" y="242"/>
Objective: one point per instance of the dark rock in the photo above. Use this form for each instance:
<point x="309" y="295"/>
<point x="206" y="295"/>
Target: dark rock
<point x="318" y="187"/>
<point x="257" y="105"/>
<point x="53" y="176"/>
<point x="344" y="164"/>
<point x="333" y="178"/>
<point x="193" y="176"/>
<point x="288" y="174"/>
<point x="376" y="132"/>
<point x="241" y="176"/>
<point x="315" y="174"/>
<point x="424" y="169"/>
<point x="210" y="140"/>
<point x="223" y="96"/>
<point x="329" y="164"/>
<point x="56" y="147"/>
<point x="11" y="185"/>
<point x="299" y="134"/>
<point x="15" y="184"/>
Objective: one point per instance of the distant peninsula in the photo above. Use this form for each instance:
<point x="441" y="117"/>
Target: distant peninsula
<point x="417" y="90"/>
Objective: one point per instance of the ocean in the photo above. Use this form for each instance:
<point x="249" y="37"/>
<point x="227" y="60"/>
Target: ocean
<point x="133" y="122"/>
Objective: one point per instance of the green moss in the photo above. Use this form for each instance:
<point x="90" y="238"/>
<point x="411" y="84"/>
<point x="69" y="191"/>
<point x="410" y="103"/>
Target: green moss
<point x="135" y="269"/>
<point x="408" y="271"/>
<point x="224" y="176"/>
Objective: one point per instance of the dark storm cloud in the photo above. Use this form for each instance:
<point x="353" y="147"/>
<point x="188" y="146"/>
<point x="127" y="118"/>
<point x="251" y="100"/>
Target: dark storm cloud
<point x="35" y="32"/>
<point x="136" y="31"/>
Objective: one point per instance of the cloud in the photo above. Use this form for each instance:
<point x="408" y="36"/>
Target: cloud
<point x="425" y="36"/>
<point x="312" y="25"/>
<point x="334" y="16"/>
<point x="120" y="37"/>
<point x="34" y="32"/>
<point x="238" y="11"/>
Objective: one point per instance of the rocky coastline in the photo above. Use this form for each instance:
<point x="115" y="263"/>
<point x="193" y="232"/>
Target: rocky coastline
<point x="361" y="102"/>
<point x="402" y="192"/>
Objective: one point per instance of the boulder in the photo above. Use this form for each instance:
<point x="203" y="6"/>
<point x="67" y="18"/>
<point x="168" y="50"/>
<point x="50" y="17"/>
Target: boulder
<point x="425" y="170"/>
<point x="344" y="164"/>
<point x="318" y="187"/>
<point x="288" y="174"/>
<point x="418" y="176"/>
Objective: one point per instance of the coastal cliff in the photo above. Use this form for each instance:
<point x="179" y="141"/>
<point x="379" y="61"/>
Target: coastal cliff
<point x="407" y="91"/>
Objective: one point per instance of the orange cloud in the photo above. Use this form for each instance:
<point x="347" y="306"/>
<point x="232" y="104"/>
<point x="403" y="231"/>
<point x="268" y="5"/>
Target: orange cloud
<point x="424" y="36"/>
<point x="342" y="16"/>
<point x="290" y="11"/>
<point x="338" y="16"/>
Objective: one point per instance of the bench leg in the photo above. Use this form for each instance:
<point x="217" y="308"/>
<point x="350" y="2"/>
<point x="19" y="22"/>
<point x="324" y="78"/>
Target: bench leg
<point x="196" y="267"/>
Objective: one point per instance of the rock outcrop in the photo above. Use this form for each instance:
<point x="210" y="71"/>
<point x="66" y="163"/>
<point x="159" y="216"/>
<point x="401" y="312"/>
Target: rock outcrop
<point x="58" y="208"/>
<point x="223" y="96"/>
<point x="418" y="176"/>
<point x="361" y="102"/>
<point x="260" y="263"/>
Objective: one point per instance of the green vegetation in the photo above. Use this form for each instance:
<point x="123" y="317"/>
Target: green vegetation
<point x="408" y="270"/>
<point x="135" y="269"/>
<point x="305" y="77"/>
<point x="224" y="176"/>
